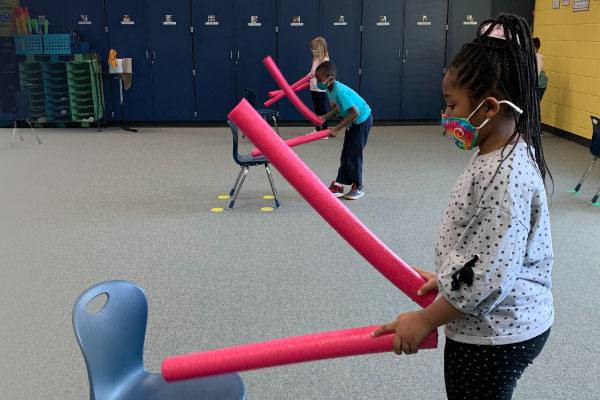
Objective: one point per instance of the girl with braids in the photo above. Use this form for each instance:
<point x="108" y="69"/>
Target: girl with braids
<point x="494" y="251"/>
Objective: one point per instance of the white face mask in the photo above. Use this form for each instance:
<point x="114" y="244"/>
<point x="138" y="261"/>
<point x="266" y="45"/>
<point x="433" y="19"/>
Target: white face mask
<point x="314" y="52"/>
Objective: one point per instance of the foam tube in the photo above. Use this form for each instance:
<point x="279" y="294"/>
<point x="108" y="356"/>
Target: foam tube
<point x="295" y="86"/>
<point x="276" y="74"/>
<point x="327" y="205"/>
<point x="280" y="94"/>
<point x="318" y="346"/>
<point x="309" y="137"/>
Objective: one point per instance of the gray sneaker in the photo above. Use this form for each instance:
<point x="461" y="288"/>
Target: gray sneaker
<point x="355" y="193"/>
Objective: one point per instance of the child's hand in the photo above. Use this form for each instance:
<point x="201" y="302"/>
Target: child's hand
<point x="431" y="279"/>
<point x="333" y="131"/>
<point x="410" y="330"/>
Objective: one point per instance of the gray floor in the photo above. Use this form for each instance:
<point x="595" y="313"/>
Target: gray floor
<point x="88" y="207"/>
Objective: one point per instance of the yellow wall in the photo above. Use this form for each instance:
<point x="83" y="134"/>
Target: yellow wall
<point x="571" y="47"/>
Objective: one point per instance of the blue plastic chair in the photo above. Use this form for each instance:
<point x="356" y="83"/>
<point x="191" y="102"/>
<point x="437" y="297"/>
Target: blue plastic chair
<point x="23" y="114"/>
<point x="112" y="343"/>
<point x="266" y="113"/>
<point x="595" y="150"/>
<point x="246" y="161"/>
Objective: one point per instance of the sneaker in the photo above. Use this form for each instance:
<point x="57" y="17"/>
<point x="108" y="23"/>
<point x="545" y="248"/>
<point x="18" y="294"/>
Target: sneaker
<point x="355" y="193"/>
<point x="337" y="190"/>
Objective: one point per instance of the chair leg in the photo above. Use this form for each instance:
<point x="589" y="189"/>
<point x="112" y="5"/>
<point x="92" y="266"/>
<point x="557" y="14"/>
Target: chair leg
<point x="34" y="133"/>
<point x="232" y="191"/>
<point x="276" y="127"/>
<point x="12" y="144"/>
<point x="585" y="175"/>
<point x="277" y="204"/>
<point x="595" y="198"/>
<point x="237" y="190"/>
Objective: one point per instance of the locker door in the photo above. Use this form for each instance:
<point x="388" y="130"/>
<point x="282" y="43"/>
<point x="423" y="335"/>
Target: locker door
<point x="422" y="72"/>
<point x="130" y="41"/>
<point x="253" y="42"/>
<point x="294" y="56"/>
<point x="172" y="61"/>
<point x="523" y="8"/>
<point x="463" y="19"/>
<point x="213" y="22"/>
<point x="381" y="80"/>
<point x="343" y="38"/>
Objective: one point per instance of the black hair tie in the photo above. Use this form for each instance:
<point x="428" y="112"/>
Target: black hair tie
<point x="465" y="274"/>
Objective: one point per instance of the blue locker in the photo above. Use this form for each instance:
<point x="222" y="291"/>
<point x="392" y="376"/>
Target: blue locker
<point x="381" y="79"/>
<point x="253" y="42"/>
<point x="213" y="23"/>
<point x="130" y="41"/>
<point x="294" y="56"/>
<point x="171" y="60"/>
<point x="464" y="17"/>
<point x="343" y="37"/>
<point x="423" y="58"/>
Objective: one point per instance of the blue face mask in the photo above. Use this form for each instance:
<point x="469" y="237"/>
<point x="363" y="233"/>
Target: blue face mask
<point x="323" y="86"/>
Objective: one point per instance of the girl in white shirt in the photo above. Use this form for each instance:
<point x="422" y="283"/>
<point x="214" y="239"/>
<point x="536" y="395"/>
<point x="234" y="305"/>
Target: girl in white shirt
<point x="318" y="46"/>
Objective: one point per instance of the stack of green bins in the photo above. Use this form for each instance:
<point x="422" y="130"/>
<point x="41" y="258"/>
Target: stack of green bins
<point x="57" y="91"/>
<point x="32" y="80"/>
<point x="85" y="89"/>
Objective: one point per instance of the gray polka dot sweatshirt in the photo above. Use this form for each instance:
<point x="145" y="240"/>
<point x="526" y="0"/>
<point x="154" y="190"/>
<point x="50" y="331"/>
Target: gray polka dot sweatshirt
<point x="502" y="217"/>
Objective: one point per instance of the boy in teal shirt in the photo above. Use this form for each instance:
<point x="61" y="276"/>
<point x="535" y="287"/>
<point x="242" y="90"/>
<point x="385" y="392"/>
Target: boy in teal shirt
<point x="356" y="119"/>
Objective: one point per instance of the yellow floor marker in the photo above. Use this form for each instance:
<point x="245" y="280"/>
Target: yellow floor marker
<point x="268" y="197"/>
<point x="223" y="197"/>
<point x="266" y="209"/>
<point x="218" y="209"/>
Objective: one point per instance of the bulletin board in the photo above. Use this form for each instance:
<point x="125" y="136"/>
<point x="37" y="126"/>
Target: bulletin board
<point x="6" y="10"/>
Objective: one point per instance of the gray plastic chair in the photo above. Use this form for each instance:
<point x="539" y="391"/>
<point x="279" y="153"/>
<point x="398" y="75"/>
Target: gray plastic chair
<point x="23" y="114"/>
<point x="112" y="343"/>
<point x="595" y="150"/>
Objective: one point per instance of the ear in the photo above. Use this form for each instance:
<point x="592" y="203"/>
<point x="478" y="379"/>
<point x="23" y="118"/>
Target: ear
<point x="491" y="107"/>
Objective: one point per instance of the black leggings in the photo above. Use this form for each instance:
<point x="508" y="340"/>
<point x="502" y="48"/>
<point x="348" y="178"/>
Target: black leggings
<point x="320" y="102"/>
<point x="487" y="372"/>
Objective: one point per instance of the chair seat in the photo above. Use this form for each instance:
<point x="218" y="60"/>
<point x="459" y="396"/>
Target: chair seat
<point x="9" y="117"/>
<point x="267" y="112"/>
<point x="247" y="159"/>
<point x="147" y="386"/>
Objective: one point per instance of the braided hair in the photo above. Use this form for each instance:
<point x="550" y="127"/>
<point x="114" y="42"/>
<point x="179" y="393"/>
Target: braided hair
<point x="489" y="65"/>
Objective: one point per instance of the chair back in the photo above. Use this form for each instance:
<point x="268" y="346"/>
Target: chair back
<point x="22" y="104"/>
<point x="235" y="133"/>
<point x="112" y="341"/>
<point x="595" y="145"/>
<point x="250" y="97"/>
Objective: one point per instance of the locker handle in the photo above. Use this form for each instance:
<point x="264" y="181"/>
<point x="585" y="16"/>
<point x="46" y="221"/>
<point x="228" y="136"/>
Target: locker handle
<point x="231" y="54"/>
<point x="147" y="58"/>
<point x="153" y="55"/>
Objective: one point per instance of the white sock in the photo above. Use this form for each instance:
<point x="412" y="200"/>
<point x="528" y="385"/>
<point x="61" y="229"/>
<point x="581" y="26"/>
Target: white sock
<point x="339" y="184"/>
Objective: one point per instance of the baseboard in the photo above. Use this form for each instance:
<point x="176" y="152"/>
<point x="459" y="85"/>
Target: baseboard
<point x="567" y="135"/>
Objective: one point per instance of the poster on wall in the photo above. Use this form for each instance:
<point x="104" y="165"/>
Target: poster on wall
<point x="581" y="5"/>
<point x="555" y="3"/>
<point x="566" y="2"/>
<point x="6" y="11"/>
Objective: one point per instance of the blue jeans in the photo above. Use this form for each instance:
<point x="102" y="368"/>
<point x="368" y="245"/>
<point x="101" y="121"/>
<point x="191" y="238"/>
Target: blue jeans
<point x="320" y="102"/>
<point x="351" y="162"/>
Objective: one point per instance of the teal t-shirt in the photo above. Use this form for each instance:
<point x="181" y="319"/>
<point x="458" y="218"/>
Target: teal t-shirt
<point x="342" y="97"/>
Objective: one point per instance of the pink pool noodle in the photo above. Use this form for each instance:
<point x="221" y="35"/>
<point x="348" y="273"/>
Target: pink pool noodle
<point x="281" y="94"/>
<point x="327" y="205"/>
<point x="318" y="346"/>
<point x="276" y="74"/>
<point x="301" y="84"/>
<point x="310" y="137"/>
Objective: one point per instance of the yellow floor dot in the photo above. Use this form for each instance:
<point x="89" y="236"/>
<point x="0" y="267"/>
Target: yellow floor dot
<point x="266" y="209"/>
<point x="223" y="197"/>
<point x="269" y="197"/>
<point x="218" y="209"/>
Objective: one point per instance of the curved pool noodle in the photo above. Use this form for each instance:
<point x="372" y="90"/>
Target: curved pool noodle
<point x="327" y="205"/>
<point x="276" y="74"/>
<point x="295" y="86"/>
<point x="318" y="346"/>
<point x="309" y="137"/>
<point x="280" y="94"/>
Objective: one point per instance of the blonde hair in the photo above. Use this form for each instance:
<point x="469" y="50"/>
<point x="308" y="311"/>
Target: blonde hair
<point x="319" y="44"/>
